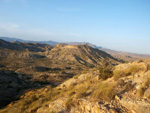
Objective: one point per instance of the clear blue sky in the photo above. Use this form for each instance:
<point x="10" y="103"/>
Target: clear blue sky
<point x="116" y="24"/>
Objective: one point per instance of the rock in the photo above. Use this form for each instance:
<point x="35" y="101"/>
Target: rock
<point x="112" y="111"/>
<point x="147" y="93"/>
<point x="140" y="106"/>
<point x="117" y="98"/>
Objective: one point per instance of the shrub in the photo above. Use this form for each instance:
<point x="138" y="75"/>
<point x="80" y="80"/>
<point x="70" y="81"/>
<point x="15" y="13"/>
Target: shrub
<point x="105" y="71"/>
<point x="140" y="61"/>
<point x="133" y="69"/>
<point x="84" y="72"/>
<point x="76" y="76"/>
<point x="30" y="99"/>
<point x="33" y="98"/>
<point x="118" y="73"/>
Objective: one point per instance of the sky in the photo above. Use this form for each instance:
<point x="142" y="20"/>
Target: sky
<point x="122" y="25"/>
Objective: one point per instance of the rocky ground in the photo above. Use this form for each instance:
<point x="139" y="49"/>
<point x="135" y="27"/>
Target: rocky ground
<point x="127" y="91"/>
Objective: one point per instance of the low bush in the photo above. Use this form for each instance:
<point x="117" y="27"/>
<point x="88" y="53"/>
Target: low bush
<point x="140" y="61"/>
<point x="76" y="76"/>
<point x="105" y="71"/>
<point x="84" y="72"/>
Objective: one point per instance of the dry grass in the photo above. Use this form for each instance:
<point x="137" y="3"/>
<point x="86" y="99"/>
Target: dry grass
<point x="76" y="76"/>
<point x="126" y="72"/>
<point x="84" y="72"/>
<point x="69" y="103"/>
<point x="144" y="87"/>
<point x="147" y="83"/>
<point x="104" y="92"/>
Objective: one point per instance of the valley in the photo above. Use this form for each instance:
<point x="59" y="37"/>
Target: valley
<point x="74" y="56"/>
<point x="39" y="78"/>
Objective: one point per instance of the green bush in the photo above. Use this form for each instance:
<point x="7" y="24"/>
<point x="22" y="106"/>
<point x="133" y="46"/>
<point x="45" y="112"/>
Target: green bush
<point x="105" y="72"/>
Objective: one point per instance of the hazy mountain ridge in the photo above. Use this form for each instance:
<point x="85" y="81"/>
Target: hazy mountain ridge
<point x="117" y="54"/>
<point x="51" y="43"/>
<point x="33" y="47"/>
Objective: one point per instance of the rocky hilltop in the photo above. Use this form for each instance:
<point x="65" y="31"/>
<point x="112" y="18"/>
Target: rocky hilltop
<point x="127" y="90"/>
<point x="83" y="54"/>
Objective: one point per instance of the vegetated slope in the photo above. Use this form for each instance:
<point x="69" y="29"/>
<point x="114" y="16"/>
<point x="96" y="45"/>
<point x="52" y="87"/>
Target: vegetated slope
<point x="126" y="91"/>
<point x="30" y="59"/>
<point x="83" y="54"/>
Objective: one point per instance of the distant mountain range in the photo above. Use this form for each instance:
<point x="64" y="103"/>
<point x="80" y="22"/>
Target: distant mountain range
<point x="52" y="43"/>
<point x="117" y="54"/>
<point x="15" y="45"/>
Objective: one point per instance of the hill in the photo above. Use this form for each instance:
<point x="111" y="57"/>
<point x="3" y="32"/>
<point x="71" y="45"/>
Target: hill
<point x="83" y="54"/>
<point x="26" y="66"/>
<point x="52" y="43"/>
<point x="126" y="56"/>
<point x="125" y="91"/>
<point x="33" y="47"/>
